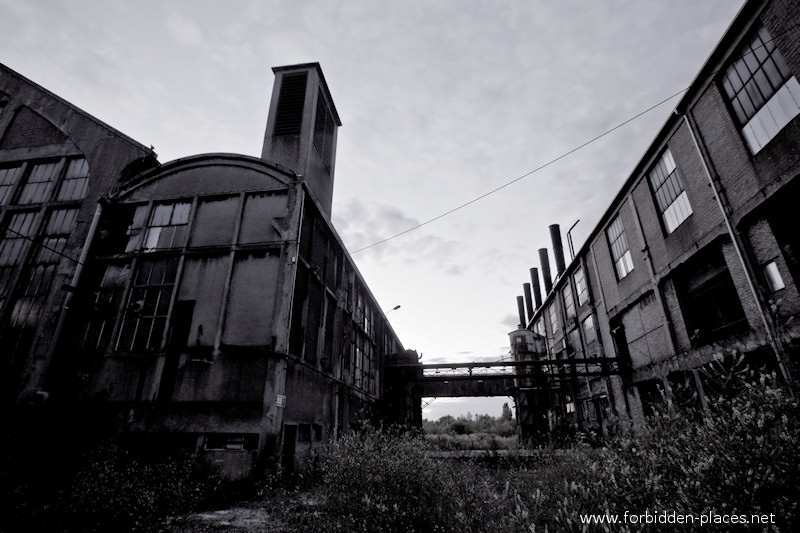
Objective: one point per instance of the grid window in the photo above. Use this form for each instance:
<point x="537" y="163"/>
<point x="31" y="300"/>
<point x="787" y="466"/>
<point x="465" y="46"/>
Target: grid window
<point x="670" y="193"/>
<point x="39" y="185"/>
<point x="623" y="263"/>
<point x="42" y="268"/>
<point x="18" y="233"/>
<point x="76" y="180"/>
<point x="168" y="227"/>
<point x="589" y="334"/>
<point x="145" y="317"/>
<point x="580" y="287"/>
<point x="8" y="179"/>
<point x="569" y="302"/>
<point x="551" y="311"/>
<point x="763" y="93"/>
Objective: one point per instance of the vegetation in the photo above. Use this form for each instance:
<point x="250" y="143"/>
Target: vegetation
<point x="741" y="458"/>
<point x="482" y="432"/>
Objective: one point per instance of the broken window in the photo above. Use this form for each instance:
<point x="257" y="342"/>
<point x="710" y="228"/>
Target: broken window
<point x="18" y="234"/>
<point x="580" y="286"/>
<point x="261" y="211"/>
<point x="708" y="298"/>
<point x="39" y="184"/>
<point x="168" y="226"/>
<point x="76" y="180"/>
<point x="618" y="243"/>
<point x="569" y="302"/>
<point x="145" y="319"/>
<point x="9" y="176"/>
<point x="107" y="300"/>
<point x="42" y="267"/>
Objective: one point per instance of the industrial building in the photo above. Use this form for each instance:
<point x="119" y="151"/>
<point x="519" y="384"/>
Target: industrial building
<point x="206" y="302"/>
<point x="696" y="262"/>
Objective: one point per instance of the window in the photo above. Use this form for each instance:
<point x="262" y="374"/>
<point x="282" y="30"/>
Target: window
<point x="19" y="231"/>
<point x="168" y="226"/>
<point x="39" y="185"/>
<point x="623" y="263"/>
<point x="553" y="314"/>
<point x="580" y="286"/>
<point x="668" y="189"/>
<point x="42" y="267"/>
<point x="589" y="334"/>
<point x="107" y="299"/>
<point x="145" y="317"/>
<point x="773" y="277"/>
<point x="569" y="302"/>
<point x="75" y="182"/>
<point x="8" y="178"/>
<point x="761" y="90"/>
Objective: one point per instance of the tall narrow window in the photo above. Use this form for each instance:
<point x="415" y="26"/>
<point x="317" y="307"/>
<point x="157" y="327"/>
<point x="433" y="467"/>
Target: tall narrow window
<point x="8" y="179"/>
<point x="76" y="180"/>
<point x="763" y="93"/>
<point x="18" y="234"/>
<point x="168" y="227"/>
<point x="670" y="193"/>
<point x="580" y="286"/>
<point x="553" y="314"/>
<point x="623" y="263"/>
<point x="291" y="100"/>
<point x="145" y="317"/>
<point x="39" y="185"/>
<point x="42" y="267"/>
<point x="569" y="302"/>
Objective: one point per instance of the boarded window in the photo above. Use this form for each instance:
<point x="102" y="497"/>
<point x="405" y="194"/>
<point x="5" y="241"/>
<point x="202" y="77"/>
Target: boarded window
<point x="252" y="300"/>
<point x="203" y="281"/>
<point x="214" y="222"/>
<point x="260" y="213"/>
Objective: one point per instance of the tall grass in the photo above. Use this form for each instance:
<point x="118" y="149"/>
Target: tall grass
<point x="742" y="458"/>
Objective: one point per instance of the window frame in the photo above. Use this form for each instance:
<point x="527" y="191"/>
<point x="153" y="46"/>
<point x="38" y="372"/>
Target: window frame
<point x="669" y="193"/>
<point x="623" y="262"/>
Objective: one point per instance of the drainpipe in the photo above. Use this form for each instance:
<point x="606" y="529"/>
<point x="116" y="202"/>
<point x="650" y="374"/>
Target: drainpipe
<point x="735" y="240"/>
<point x="71" y="288"/>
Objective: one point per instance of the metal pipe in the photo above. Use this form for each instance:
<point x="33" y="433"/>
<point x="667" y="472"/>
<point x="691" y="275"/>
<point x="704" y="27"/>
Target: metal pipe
<point x="569" y="240"/>
<point x="735" y="240"/>
<point x="76" y="278"/>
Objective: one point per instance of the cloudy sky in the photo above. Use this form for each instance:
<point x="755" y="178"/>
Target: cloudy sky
<point x="442" y="101"/>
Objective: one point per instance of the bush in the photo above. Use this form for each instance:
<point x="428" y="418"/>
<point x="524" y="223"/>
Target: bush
<point x="742" y="458"/>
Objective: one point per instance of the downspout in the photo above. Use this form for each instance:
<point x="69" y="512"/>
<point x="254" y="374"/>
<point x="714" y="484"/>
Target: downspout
<point x="735" y="240"/>
<point x="71" y="288"/>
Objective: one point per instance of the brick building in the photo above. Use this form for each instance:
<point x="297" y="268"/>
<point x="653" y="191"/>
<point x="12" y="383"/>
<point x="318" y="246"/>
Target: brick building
<point x="206" y="300"/>
<point x="696" y="262"/>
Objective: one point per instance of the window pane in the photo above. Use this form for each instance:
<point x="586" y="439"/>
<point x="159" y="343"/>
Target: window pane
<point x="39" y="184"/>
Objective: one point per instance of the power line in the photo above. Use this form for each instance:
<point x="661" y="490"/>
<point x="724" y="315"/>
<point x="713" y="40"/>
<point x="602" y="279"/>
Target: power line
<point x="562" y="156"/>
<point x="537" y="169"/>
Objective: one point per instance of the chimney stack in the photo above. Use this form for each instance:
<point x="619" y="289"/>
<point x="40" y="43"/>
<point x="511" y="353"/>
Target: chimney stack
<point x="558" y="249"/>
<point x="528" y="300"/>
<point x="537" y="291"/>
<point x="544" y="259"/>
<point x="521" y="309"/>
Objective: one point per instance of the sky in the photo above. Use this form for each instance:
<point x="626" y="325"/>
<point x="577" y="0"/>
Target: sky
<point x="441" y="102"/>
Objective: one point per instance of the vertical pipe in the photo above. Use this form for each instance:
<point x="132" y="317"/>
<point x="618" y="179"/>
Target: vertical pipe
<point x="521" y="310"/>
<point x="735" y="240"/>
<point x="558" y="248"/>
<point x="528" y="300"/>
<point x="545" y="261"/>
<point x="76" y="278"/>
<point x="537" y="291"/>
